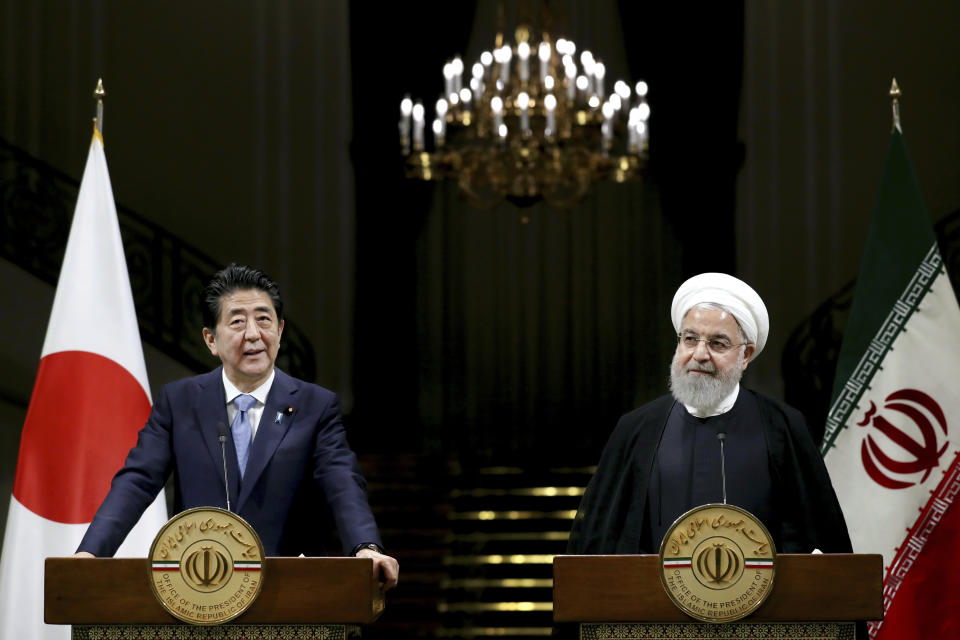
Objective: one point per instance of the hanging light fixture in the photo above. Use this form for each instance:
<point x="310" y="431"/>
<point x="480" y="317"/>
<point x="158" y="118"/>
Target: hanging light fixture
<point x="527" y="123"/>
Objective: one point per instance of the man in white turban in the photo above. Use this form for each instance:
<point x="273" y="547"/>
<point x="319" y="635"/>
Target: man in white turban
<point x="664" y="458"/>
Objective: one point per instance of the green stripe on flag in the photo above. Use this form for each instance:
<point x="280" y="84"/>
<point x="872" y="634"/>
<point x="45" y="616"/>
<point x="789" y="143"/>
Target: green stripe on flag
<point x="900" y="252"/>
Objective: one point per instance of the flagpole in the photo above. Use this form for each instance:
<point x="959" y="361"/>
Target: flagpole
<point x="895" y="97"/>
<point x="99" y="93"/>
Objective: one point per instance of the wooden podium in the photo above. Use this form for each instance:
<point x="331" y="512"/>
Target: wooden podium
<point x="816" y="597"/>
<point x="302" y="598"/>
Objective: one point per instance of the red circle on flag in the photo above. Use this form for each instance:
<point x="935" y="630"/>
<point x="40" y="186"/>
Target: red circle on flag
<point x="83" y="419"/>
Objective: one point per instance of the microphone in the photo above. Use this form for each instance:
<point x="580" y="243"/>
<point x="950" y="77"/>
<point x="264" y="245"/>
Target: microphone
<point x="222" y="428"/>
<point x="721" y="436"/>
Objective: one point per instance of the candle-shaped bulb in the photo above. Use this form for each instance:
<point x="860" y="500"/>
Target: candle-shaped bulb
<point x="608" y="110"/>
<point x="502" y="56"/>
<point x="548" y="83"/>
<point x="622" y="89"/>
<point x="465" y="96"/>
<point x="588" y="64"/>
<point x="586" y="59"/>
<point x="593" y="102"/>
<point x="457" y="74"/>
<point x="550" y="103"/>
<point x="582" y="83"/>
<point x="406" y="108"/>
<point x="496" y="104"/>
<point x="486" y="58"/>
<point x="448" y="78"/>
<point x="502" y="130"/>
<point x="543" y="52"/>
<point x="642" y="88"/>
<point x="441" y="108"/>
<point x="478" y="69"/>
<point x="439" y="131"/>
<point x="599" y="72"/>
<point x="418" y="126"/>
<point x="615" y="102"/>
<point x="523" y="102"/>
<point x="523" y="53"/>
<point x="643" y="110"/>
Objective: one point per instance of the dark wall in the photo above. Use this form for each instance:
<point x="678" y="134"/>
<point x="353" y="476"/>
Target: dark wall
<point x="497" y="341"/>
<point x="266" y="131"/>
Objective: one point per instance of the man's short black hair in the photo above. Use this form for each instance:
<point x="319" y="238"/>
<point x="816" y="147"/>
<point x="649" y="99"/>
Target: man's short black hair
<point x="237" y="277"/>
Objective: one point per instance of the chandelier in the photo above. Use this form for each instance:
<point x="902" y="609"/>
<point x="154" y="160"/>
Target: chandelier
<point x="530" y="125"/>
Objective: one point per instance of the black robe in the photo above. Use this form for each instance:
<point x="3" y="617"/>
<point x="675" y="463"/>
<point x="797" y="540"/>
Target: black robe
<point x="806" y="513"/>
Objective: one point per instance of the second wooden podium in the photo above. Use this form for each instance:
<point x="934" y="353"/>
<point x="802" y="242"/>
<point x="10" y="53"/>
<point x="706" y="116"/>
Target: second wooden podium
<point x="816" y="597"/>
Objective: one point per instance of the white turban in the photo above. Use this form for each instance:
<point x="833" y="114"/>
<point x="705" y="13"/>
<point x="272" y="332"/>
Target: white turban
<point x="734" y="295"/>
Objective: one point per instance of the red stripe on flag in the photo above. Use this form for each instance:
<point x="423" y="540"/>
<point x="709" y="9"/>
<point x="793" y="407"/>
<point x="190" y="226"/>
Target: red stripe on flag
<point x="84" y="416"/>
<point x="926" y="601"/>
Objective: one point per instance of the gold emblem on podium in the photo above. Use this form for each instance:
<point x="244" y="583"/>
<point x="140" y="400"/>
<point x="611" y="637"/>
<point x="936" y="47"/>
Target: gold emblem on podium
<point x="206" y="566"/>
<point x="717" y="563"/>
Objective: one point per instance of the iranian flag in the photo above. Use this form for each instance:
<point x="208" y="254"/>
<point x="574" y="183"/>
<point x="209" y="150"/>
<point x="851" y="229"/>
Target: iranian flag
<point x="893" y="432"/>
<point x="90" y="399"/>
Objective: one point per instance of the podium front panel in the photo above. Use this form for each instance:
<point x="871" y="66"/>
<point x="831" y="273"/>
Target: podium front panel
<point x="819" y="587"/>
<point x="92" y="591"/>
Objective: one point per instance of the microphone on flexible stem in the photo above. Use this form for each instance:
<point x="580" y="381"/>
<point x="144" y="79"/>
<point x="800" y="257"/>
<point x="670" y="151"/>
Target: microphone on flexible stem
<point x="222" y="428"/>
<point x="721" y="436"/>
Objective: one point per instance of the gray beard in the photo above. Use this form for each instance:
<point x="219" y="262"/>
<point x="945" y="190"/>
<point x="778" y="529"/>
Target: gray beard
<point x="704" y="392"/>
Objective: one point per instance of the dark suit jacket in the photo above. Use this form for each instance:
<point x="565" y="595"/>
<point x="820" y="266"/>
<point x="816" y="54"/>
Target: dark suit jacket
<point x="300" y="467"/>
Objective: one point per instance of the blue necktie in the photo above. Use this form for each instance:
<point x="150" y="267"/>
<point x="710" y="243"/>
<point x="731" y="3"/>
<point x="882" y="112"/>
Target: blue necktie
<point x="242" y="429"/>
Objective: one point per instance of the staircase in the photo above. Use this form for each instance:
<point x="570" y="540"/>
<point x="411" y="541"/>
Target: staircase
<point x="475" y="548"/>
<point x="167" y="275"/>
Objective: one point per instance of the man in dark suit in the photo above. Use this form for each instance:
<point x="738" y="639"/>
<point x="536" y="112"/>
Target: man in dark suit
<point x="285" y="452"/>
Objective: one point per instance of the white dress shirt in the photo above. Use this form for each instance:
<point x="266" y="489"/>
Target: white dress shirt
<point x="256" y="411"/>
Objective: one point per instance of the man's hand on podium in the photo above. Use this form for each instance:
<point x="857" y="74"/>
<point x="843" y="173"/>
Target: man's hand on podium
<point x="83" y="554"/>
<point x="385" y="568"/>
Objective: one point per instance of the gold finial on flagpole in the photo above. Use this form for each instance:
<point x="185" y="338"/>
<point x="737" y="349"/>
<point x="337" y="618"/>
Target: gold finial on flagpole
<point x="98" y="93"/>
<point x="895" y="96"/>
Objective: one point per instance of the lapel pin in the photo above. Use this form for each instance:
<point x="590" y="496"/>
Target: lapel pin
<point x="279" y="418"/>
<point x="288" y="411"/>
